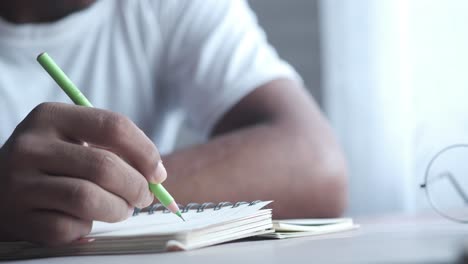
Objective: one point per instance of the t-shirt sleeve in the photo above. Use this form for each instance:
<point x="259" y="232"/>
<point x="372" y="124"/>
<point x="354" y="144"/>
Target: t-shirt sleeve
<point x="215" y="53"/>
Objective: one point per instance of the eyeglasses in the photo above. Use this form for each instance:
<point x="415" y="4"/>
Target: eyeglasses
<point x="446" y="182"/>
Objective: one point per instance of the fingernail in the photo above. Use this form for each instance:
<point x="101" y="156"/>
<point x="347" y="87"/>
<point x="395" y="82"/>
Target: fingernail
<point x="160" y="174"/>
<point x="83" y="240"/>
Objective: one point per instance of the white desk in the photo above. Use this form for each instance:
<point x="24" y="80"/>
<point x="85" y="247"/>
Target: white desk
<point x="388" y="240"/>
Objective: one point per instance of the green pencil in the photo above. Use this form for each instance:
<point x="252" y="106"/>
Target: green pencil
<point x="78" y="98"/>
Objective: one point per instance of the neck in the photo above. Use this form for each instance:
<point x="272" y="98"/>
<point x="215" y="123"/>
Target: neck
<point x="33" y="11"/>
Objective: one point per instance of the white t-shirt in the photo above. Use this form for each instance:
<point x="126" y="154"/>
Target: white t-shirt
<point x="158" y="62"/>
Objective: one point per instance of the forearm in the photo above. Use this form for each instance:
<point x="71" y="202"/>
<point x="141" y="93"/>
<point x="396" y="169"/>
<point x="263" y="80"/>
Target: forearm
<point x="303" y="174"/>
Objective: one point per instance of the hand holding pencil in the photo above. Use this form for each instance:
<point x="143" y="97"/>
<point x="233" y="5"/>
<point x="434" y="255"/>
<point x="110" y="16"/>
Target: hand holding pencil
<point x="78" y="98"/>
<point x="52" y="187"/>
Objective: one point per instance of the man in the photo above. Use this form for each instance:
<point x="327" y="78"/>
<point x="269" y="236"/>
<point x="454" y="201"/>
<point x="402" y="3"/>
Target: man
<point x="152" y="65"/>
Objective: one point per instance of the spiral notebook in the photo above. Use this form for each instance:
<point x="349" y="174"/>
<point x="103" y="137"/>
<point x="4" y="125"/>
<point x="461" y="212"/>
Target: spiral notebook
<point x="157" y="230"/>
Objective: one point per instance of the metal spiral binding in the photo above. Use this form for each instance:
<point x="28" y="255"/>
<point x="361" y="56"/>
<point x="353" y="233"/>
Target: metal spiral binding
<point x="136" y="211"/>
<point x="255" y="202"/>
<point x="205" y="206"/>
<point x="222" y="204"/>
<point x="153" y="208"/>
<point x="189" y="206"/>
<point x="239" y="204"/>
<point x="193" y="206"/>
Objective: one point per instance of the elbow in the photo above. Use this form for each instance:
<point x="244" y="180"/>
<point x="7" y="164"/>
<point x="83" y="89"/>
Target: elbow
<point x="319" y="180"/>
<point x="328" y="188"/>
<point x="327" y="191"/>
<point x="320" y="188"/>
<point x="334" y="199"/>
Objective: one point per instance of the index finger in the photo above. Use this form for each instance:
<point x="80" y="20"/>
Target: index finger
<point x="108" y="130"/>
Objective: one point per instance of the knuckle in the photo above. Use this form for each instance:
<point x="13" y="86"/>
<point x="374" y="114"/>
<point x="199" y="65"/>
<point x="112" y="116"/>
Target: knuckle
<point x="21" y="147"/>
<point x="102" y="167"/>
<point x="42" y="114"/>
<point x="39" y="109"/>
<point x="43" y="109"/>
<point x="83" y="198"/>
<point x="116" y="125"/>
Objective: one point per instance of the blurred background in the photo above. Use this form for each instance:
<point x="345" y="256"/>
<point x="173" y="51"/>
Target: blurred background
<point x="392" y="77"/>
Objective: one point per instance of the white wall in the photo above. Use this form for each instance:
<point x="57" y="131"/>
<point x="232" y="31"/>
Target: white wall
<point x="293" y="29"/>
<point x="438" y="46"/>
<point x="395" y="80"/>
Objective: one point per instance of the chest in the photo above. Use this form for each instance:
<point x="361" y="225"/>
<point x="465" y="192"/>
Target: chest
<point x="114" y="73"/>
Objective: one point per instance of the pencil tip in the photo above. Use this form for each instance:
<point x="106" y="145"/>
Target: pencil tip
<point x="180" y="215"/>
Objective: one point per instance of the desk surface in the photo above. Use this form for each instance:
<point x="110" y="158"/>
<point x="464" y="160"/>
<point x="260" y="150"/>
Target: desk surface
<point x="384" y="240"/>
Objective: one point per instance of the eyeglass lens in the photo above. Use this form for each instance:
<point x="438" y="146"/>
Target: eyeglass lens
<point x="447" y="183"/>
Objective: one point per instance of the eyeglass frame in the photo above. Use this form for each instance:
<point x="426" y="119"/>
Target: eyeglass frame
<point x="453" y="181"/>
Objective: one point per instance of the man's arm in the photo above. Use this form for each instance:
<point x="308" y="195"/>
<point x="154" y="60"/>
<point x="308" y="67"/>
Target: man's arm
<point x="274" y="144"/>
